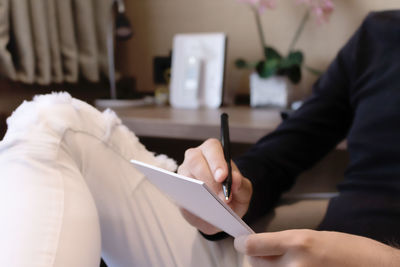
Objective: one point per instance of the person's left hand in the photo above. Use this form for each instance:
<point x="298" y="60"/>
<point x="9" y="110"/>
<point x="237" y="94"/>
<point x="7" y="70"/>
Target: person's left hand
<point x="315" y="248"/>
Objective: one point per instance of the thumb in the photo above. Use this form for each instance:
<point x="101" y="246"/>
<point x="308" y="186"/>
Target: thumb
<point x="264" y="244"/>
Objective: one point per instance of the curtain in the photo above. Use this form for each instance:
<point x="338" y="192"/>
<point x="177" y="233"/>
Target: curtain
<point x="54" y="41"/>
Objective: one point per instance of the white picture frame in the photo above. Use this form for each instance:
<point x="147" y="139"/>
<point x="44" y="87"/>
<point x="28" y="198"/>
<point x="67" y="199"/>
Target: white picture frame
<point x="197" y="73"/>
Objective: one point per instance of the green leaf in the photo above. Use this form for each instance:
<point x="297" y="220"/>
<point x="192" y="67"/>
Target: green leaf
<point x="286" y="64"/>
<point x="294" y="74"/>
<point x="293" y="59"/>
<point x="270" y="53"/>
<point x="267" y="68"/>
<point x="296" y="56"/>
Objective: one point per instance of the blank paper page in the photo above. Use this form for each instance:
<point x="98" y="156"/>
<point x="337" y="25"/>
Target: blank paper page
<point x="195" y="196"/>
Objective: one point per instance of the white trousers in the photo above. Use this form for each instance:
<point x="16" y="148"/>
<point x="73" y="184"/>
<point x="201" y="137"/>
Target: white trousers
<point x="68" y="195"/>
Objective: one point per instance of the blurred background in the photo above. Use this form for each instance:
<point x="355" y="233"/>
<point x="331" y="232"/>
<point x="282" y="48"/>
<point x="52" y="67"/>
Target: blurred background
<point x="155" y="22"/>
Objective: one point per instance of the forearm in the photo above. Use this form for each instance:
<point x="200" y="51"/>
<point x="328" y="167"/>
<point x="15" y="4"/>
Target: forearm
<point x="379" y="255"/>
<point x="386" y="257"/>
<point x="394" y="255"/>
<point x="353" y="250"/>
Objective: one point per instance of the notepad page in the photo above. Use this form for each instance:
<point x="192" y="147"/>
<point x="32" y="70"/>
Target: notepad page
<point x="195" y="196"/>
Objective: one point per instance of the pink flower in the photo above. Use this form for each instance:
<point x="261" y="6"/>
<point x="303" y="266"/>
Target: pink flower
<point x="262" y="5"/>
<point x="322" y="9"/>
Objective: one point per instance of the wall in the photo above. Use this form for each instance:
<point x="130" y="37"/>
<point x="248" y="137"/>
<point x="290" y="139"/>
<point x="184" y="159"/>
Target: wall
<point x="156" y="21"/>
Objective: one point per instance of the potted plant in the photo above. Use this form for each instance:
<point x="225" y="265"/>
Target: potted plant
<point x="275" y="73"/>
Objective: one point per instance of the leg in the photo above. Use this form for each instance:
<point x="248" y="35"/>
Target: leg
<point x="48" y="214"/>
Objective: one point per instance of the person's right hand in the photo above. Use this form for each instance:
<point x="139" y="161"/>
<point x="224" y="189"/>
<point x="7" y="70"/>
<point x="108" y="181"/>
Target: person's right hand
<point x="207" y="163"/>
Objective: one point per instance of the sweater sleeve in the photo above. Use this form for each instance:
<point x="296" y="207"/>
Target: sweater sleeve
<point x="274" y="162"/>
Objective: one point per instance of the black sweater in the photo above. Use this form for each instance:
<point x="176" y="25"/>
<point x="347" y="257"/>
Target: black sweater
<point x="358" y="98"/>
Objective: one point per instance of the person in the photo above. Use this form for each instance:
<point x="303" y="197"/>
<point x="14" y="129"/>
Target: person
<point x="69" y="194"/>
<point x="358" y="97"/>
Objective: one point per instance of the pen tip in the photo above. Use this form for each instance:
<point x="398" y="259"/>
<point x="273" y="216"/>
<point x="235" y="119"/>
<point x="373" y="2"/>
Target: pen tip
<point x="227" y="198"/>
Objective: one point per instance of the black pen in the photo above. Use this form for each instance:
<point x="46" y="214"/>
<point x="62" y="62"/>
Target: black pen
<point x="227" y="183"/>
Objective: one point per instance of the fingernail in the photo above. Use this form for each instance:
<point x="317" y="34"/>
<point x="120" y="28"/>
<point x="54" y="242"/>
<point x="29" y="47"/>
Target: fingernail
<point x="218" y="175"/>
<point x="239" y="243"/>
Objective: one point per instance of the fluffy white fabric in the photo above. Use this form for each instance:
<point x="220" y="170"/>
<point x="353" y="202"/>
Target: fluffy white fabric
<point x="59" y="112"/>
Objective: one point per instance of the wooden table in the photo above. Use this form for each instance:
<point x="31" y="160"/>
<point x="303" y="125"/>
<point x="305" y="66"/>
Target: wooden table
<point x="247" y="125"/>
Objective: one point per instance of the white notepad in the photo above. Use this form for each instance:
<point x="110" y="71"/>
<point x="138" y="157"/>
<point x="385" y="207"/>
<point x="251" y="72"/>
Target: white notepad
<point x="197" y="197"/>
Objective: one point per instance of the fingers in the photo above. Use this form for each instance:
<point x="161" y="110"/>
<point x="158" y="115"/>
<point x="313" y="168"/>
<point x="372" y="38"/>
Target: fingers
<point x="196" y="166"/>
<point x="244" y="192"/>
<point x="237" y="179"/>
<point x="264" y="244"/>
<point x="214" y="155"/>
<point x="207" y="163"/>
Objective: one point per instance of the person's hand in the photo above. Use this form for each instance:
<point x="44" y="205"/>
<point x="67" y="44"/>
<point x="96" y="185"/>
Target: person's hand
<point x="315" y="248"/>
<point x="207" y="163"/>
